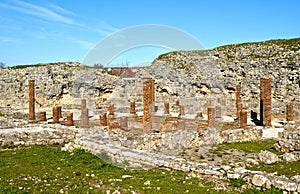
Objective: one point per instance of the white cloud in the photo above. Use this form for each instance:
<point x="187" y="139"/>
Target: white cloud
<point x="86" y="45"/>
<point x="9" y="40"/>
<point x="38" y="11"/>
<point x="62" y="10"/>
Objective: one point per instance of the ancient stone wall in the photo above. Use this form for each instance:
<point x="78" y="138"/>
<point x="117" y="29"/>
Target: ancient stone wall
<point x="36" y="135"/>
<point x="289" y="141"/>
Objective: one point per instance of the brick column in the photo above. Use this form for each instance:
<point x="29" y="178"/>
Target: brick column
<point x="148" y="104"/>
<point x="289" y="112"/>
<point x="85" y="118"/>
<point x="181" y="110"/>
<point x="218" y="112"/>
<point x="261" y="102"/>
<point x="177" y="103"/>
<point x="239" y="109"/>
<point x="199" y="114"/>
<point x="55" y="115"/>
<point x="83" y="104"/>
<point x="111" y="109"/>
<point x="167" y="108"/>
<point x="211" y="117"/>
<point x="132" y="108"/>
<point x="243" y="120"/>
<point x="70" y="121"/>
<point x="267" y="102"/>
<point x="31" y="100"/>
<point x="152" y="95"/>
<point x="59" y="112"/>
<point x="238" y="101"/>
<point x="103" y="119"/>
<point x="43" y="116"/>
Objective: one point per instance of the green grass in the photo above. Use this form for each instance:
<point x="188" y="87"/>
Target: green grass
<point x="282" y="168"/>
<point x="251" y="147"/>
<point x="2" y="114"/>
<point x="46" y="169"/>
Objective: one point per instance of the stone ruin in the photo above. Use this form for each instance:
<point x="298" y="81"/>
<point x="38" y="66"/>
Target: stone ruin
<point x="156" y="116"/>
<point x="159" y="121"/>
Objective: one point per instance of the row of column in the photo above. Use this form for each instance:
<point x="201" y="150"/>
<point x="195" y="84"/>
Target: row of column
<point x="149" y="99"/>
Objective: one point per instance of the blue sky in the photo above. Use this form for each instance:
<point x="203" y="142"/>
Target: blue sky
<point x="42" y="31"/>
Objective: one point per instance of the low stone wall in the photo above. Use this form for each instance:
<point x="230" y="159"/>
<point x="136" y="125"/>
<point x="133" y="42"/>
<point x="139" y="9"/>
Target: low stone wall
<point x="36" y="135"/>
<point x="125" y="157"/>
<point x="289" y="141"/>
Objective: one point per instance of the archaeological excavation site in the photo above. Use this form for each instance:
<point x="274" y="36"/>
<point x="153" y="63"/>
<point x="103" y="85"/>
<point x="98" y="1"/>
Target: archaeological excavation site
<point x="173" y="114"/>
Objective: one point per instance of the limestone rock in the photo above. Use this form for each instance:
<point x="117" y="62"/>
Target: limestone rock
<point x="259" y="180"/>
<point x="268" y="157"/>
<point x="289" y="157"/>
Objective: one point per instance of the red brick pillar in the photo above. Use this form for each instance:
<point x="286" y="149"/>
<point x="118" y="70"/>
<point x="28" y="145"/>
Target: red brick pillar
<point x="31" y="100"/>
<point x="261" y="102"/>
<point x="267" y="102"/>
<point x="239" y="109"/>
<point x="70" y="121"/>
<point x="243" y="120"/>
<point x="147" y="100"/>
<point x="111" y="109"/>
<point x="59" y="111"/>
<point x="181" y="110"/>
<point x="167" y="108"/>
<point x="211" y="117"/>
<point x="199" y="114"/>
<point x="85" y="118"/>
<point x="289" y="112"/>
<point x="177" y="103"/>
<point x="238" y="101"/>
<point x="83" y="104"/>
<point x="218" y="112"/>
<point x="132" y="108"/>
<point x="55" y="115"/>
<point x="103" y="119"/>
<point x="43" y="116"/>
<point x="152" y="95"/>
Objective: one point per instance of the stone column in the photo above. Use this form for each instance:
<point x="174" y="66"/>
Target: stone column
<point x="85" y="118"/>
<point x="132" y="108"/>
<point x="43" y="116"/>
<point x="111" y="109"/>
<point x="124" y="123"/>
<point x="147" y="100"/>
<point x="211" y="117"/>
<point x="55" y="115"/>
<point x="103" y="119"/>
<point x="289" y="112"/>
<point x="243" y="120"/>
<point x="267" y="102"/>
<point x="238" y="101"/>
<point x="31" y="100"/>
<point x="167" y="108"/>
<point x="218" y="112"/>
<point x="70" y="121"/>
